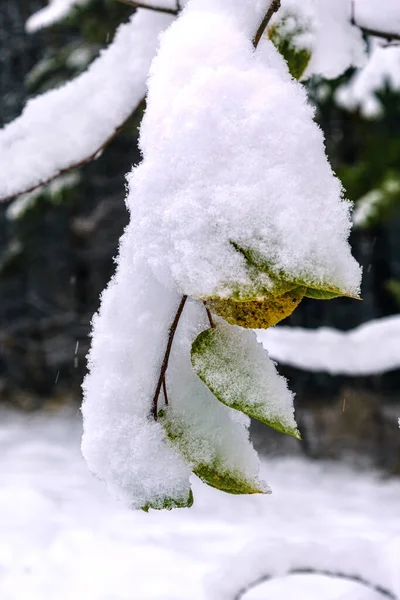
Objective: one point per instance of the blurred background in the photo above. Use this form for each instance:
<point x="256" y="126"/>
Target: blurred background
<point x="56" y="256"/>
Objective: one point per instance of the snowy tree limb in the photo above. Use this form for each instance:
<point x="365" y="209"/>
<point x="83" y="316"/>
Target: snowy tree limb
<point x="387" y="35"/>
<point x="311" y="571"/>
<point x="67" y="127"/>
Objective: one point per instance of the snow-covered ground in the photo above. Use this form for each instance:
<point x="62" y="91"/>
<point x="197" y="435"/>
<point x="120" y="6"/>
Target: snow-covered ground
<point x="62" y="537"/>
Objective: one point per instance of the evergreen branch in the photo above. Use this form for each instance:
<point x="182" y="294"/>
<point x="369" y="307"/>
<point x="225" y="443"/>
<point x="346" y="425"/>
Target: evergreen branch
<point x="162" y="9"/>
<point x="310" y="571"/>
<point x="164" y="365"/>
<point x="273" y="7"/>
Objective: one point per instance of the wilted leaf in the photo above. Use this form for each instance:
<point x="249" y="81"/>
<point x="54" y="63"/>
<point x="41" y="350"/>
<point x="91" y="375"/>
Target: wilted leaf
<point x="257" y="314"/>
<point x="239" y="372"/>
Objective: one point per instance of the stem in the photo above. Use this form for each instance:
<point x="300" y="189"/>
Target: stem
<point x="165" y="391"/>
<point x="273" y="7"/>
<point x="209" y="315"/>
<point x="136" y="4"/>
<point x="310" y="571"/>
<point x="164" y="365"/>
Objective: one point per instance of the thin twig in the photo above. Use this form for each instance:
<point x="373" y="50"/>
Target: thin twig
<point x="164" y="365"/>
<point x="165" y="391"/>
<point x="162" y="9"/>
<point x="178" y="6"/>
<point x="274" y="6"/>
<point x="209" y="315"/>
<point x="310" y="571"/>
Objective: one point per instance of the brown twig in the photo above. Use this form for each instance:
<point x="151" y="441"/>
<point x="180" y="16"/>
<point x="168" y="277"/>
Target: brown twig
<point x="164" y="365"/>
<point x="162" y="9"/>
<point x="209" y="315"/>
<point x="310" y="571"/>
<point x="273" y="7"/>
<point x="164" y="384"/>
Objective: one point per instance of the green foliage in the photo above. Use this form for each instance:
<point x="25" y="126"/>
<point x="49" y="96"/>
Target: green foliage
<point x="284" y="40"/>
<point x="235" y="375"/>
<point x="393" y="286"/>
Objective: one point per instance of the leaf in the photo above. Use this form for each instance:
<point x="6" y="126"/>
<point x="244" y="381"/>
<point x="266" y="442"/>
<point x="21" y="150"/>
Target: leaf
<point x="240" y="374"/>
<point x="214" y="474"/>
<point x="257" y="314"/>
<point x="296" y="58"/>
<point x="282" y="282"/>
<point x="170" y="503"/>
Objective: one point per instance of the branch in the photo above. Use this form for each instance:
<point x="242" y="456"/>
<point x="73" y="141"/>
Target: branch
<point x="162" y="9"/>
<point x="386" y="35"/>
<point x="164" y="365"/>
<point x="78" y="164"/>
<point x="309" y="571"/>
<point x="274" y="6"/>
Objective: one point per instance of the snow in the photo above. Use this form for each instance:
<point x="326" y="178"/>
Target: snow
<point x="335" y="43"/>
<point x="62" y="537"/>
<point x="382" y="68"/>
<point x="231" y="154"/>
<point x="55" y="11"/>
<point x="121" y="444"/>
<point x="369" y="349"/>
<point x="383" y="16"/>
<point x="65" y="126"/>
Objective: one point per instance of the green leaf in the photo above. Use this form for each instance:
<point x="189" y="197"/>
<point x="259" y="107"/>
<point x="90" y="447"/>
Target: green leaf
<point x="170" y="503"/>
<point x="214" y="474"/>
<point x="296" y="58"/>
<point x="282" y="282"/>
<point x="239" y="373"/>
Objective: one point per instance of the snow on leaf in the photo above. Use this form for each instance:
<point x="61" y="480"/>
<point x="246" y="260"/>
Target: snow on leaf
<point x="231" y="153"/>
<point x="67" y="126"/>
<point x="212" y="438"/>
<point x="214" y="473"/>
<point x="240" y="374"/>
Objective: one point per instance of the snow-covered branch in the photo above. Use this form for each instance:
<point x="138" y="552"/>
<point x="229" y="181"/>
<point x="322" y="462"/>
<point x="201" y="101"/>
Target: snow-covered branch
<point x="69" y="126"/>
<point x="337" y="352"/>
